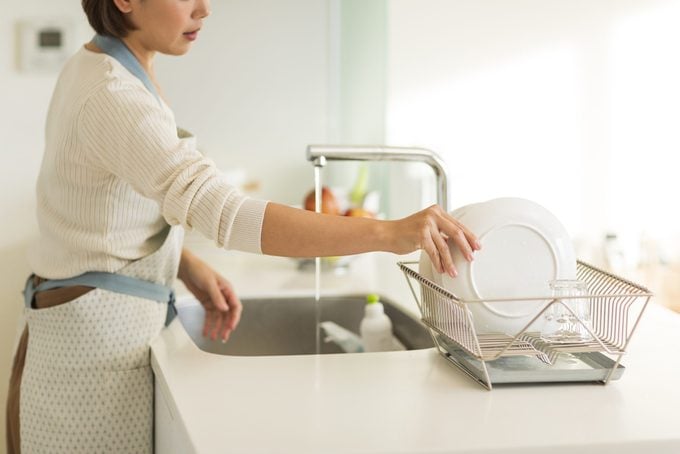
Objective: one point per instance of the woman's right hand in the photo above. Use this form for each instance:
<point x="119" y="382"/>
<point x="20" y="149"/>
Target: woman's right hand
<point x="431" y="230"/>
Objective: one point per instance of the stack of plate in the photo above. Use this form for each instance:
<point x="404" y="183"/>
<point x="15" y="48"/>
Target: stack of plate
<point x="524" y="247"/>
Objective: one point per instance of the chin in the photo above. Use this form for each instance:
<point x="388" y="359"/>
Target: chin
<point x="178" y="50"/>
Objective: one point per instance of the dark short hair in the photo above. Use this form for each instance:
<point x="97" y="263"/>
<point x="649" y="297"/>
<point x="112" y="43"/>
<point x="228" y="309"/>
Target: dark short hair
<point x="106" y="19"/>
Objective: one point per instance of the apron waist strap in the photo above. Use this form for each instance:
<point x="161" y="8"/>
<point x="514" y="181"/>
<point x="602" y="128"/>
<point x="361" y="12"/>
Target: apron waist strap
<point x="108" y="281"/>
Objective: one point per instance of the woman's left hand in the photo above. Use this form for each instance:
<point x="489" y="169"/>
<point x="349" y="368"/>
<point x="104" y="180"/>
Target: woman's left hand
<point x="222" y="306"/>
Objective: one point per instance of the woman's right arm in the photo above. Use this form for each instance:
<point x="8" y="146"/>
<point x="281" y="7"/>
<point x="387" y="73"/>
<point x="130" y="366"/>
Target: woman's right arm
<point x="293" y="232"/>
<point x="126" y="132"/>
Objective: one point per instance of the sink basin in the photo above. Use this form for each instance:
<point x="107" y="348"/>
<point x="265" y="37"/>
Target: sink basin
<point x="286" y="326"/>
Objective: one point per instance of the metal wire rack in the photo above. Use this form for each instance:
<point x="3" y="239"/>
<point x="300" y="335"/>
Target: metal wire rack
<point x="616" y="306"/>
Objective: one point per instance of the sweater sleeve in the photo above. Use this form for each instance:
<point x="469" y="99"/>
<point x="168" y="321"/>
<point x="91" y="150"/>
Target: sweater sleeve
<point x="126" y="132"/>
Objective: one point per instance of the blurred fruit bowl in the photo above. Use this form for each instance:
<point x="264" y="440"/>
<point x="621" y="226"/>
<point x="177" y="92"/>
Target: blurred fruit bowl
<point x="336" y="201"/>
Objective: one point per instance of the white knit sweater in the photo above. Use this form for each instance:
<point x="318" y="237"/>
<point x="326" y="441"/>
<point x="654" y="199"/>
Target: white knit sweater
<point x="115" y="173"/>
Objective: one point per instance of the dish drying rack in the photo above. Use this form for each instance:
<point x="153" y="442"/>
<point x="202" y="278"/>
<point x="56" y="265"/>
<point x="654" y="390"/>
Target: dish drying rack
<point x="616" y="306"/>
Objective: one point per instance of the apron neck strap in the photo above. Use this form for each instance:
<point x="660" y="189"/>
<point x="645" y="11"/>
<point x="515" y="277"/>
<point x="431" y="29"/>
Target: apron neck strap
<point x="115" y="48"/>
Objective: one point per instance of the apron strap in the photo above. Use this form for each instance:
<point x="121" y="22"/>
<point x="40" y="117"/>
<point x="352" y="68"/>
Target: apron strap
<point x="112" y="282"/>
<point x="117" y="49"/>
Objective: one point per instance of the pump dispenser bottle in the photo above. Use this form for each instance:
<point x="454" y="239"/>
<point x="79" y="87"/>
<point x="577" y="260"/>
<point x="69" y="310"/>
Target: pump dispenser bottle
<point x="376" y="327"/>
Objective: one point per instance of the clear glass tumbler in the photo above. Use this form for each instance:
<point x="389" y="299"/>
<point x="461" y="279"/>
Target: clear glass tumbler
<point x="566" y="319"/>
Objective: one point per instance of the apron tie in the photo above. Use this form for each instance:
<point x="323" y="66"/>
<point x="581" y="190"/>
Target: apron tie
<point x="108" y="281"/>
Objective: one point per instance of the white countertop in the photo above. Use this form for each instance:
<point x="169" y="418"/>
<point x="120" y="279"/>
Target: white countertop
<point x="406" y="402"/>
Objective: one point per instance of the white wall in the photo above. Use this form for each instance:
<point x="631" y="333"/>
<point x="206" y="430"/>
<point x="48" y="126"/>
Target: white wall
<point x="358" y="38"/>
<point x="253" y="89"/>
<point x="23" y="105"/>
<point x="572" y="103"/>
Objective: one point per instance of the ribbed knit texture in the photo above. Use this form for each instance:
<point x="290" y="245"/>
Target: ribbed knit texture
<point x="115" y="173"/>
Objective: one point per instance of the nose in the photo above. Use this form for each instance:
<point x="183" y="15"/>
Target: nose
<point x="202" y="9"/>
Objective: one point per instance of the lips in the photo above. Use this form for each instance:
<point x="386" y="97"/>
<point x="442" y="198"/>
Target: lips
<point x="191" y="36"/>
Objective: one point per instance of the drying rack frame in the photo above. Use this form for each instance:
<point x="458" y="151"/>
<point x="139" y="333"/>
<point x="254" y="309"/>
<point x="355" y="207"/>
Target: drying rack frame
<point x="616" y="306"/>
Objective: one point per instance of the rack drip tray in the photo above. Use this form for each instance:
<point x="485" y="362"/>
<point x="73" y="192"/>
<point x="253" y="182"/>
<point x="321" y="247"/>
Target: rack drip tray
<point x="567" y="367"/>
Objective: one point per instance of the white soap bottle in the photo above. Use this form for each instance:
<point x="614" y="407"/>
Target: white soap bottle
<point x="376" y="327"/>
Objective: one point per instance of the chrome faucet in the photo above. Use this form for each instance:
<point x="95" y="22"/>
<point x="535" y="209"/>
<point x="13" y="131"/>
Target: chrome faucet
<point x="319" y="154"/>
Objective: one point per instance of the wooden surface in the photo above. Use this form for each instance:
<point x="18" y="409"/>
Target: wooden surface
<point x="662" y="280"/>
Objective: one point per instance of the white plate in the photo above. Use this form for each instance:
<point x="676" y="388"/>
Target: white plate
<point x="524" y="247"/>
<point x="425" y="268"/>
<point x="459" y="212"/>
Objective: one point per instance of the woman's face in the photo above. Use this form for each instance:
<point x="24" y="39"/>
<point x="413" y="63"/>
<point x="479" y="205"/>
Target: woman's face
<point x="167" y="26"/>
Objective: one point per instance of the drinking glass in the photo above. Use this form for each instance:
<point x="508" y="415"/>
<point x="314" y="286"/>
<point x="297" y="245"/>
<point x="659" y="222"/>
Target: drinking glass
<point x="569" y="314"/>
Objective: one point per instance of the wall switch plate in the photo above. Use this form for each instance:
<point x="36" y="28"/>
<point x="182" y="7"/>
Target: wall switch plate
<point x="44" y="45"/>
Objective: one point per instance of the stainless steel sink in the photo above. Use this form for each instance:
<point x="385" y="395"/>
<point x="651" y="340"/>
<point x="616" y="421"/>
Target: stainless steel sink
<point x="286" y="326"/>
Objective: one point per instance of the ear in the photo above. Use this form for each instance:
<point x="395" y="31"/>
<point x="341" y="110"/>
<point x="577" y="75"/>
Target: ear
<point x="125" y="6"/>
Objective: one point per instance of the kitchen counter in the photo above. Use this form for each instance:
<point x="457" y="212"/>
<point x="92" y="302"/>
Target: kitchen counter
<point x="402" y="402"/>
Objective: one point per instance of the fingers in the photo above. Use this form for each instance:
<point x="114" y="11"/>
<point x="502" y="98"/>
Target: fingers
<point x="222" y="310"/>
<point x="453" y="227"/>
<point x="470" y="237"/>
<point x="433" y="252"/>
<point x="463" y="237"/>
<point x="222" y="306"/>
<point x="232" y="315"/>
<point x="228" y="310"/>
<point x="446" y="231"/>
<point x="218" y="305"/>
<point x="217" y="298"/>
<point x="216" y="325"/>
<point x="463" y="244"/>
<point x="235" y="306"/>
<point x="208" y="321"/>
<point x="445" y="260"/>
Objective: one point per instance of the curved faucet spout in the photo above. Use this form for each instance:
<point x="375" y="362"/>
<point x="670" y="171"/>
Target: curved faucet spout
<point x="319" y="154"/>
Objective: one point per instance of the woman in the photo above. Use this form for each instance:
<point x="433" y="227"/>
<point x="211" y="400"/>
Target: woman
<point x="116" y="187"/>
